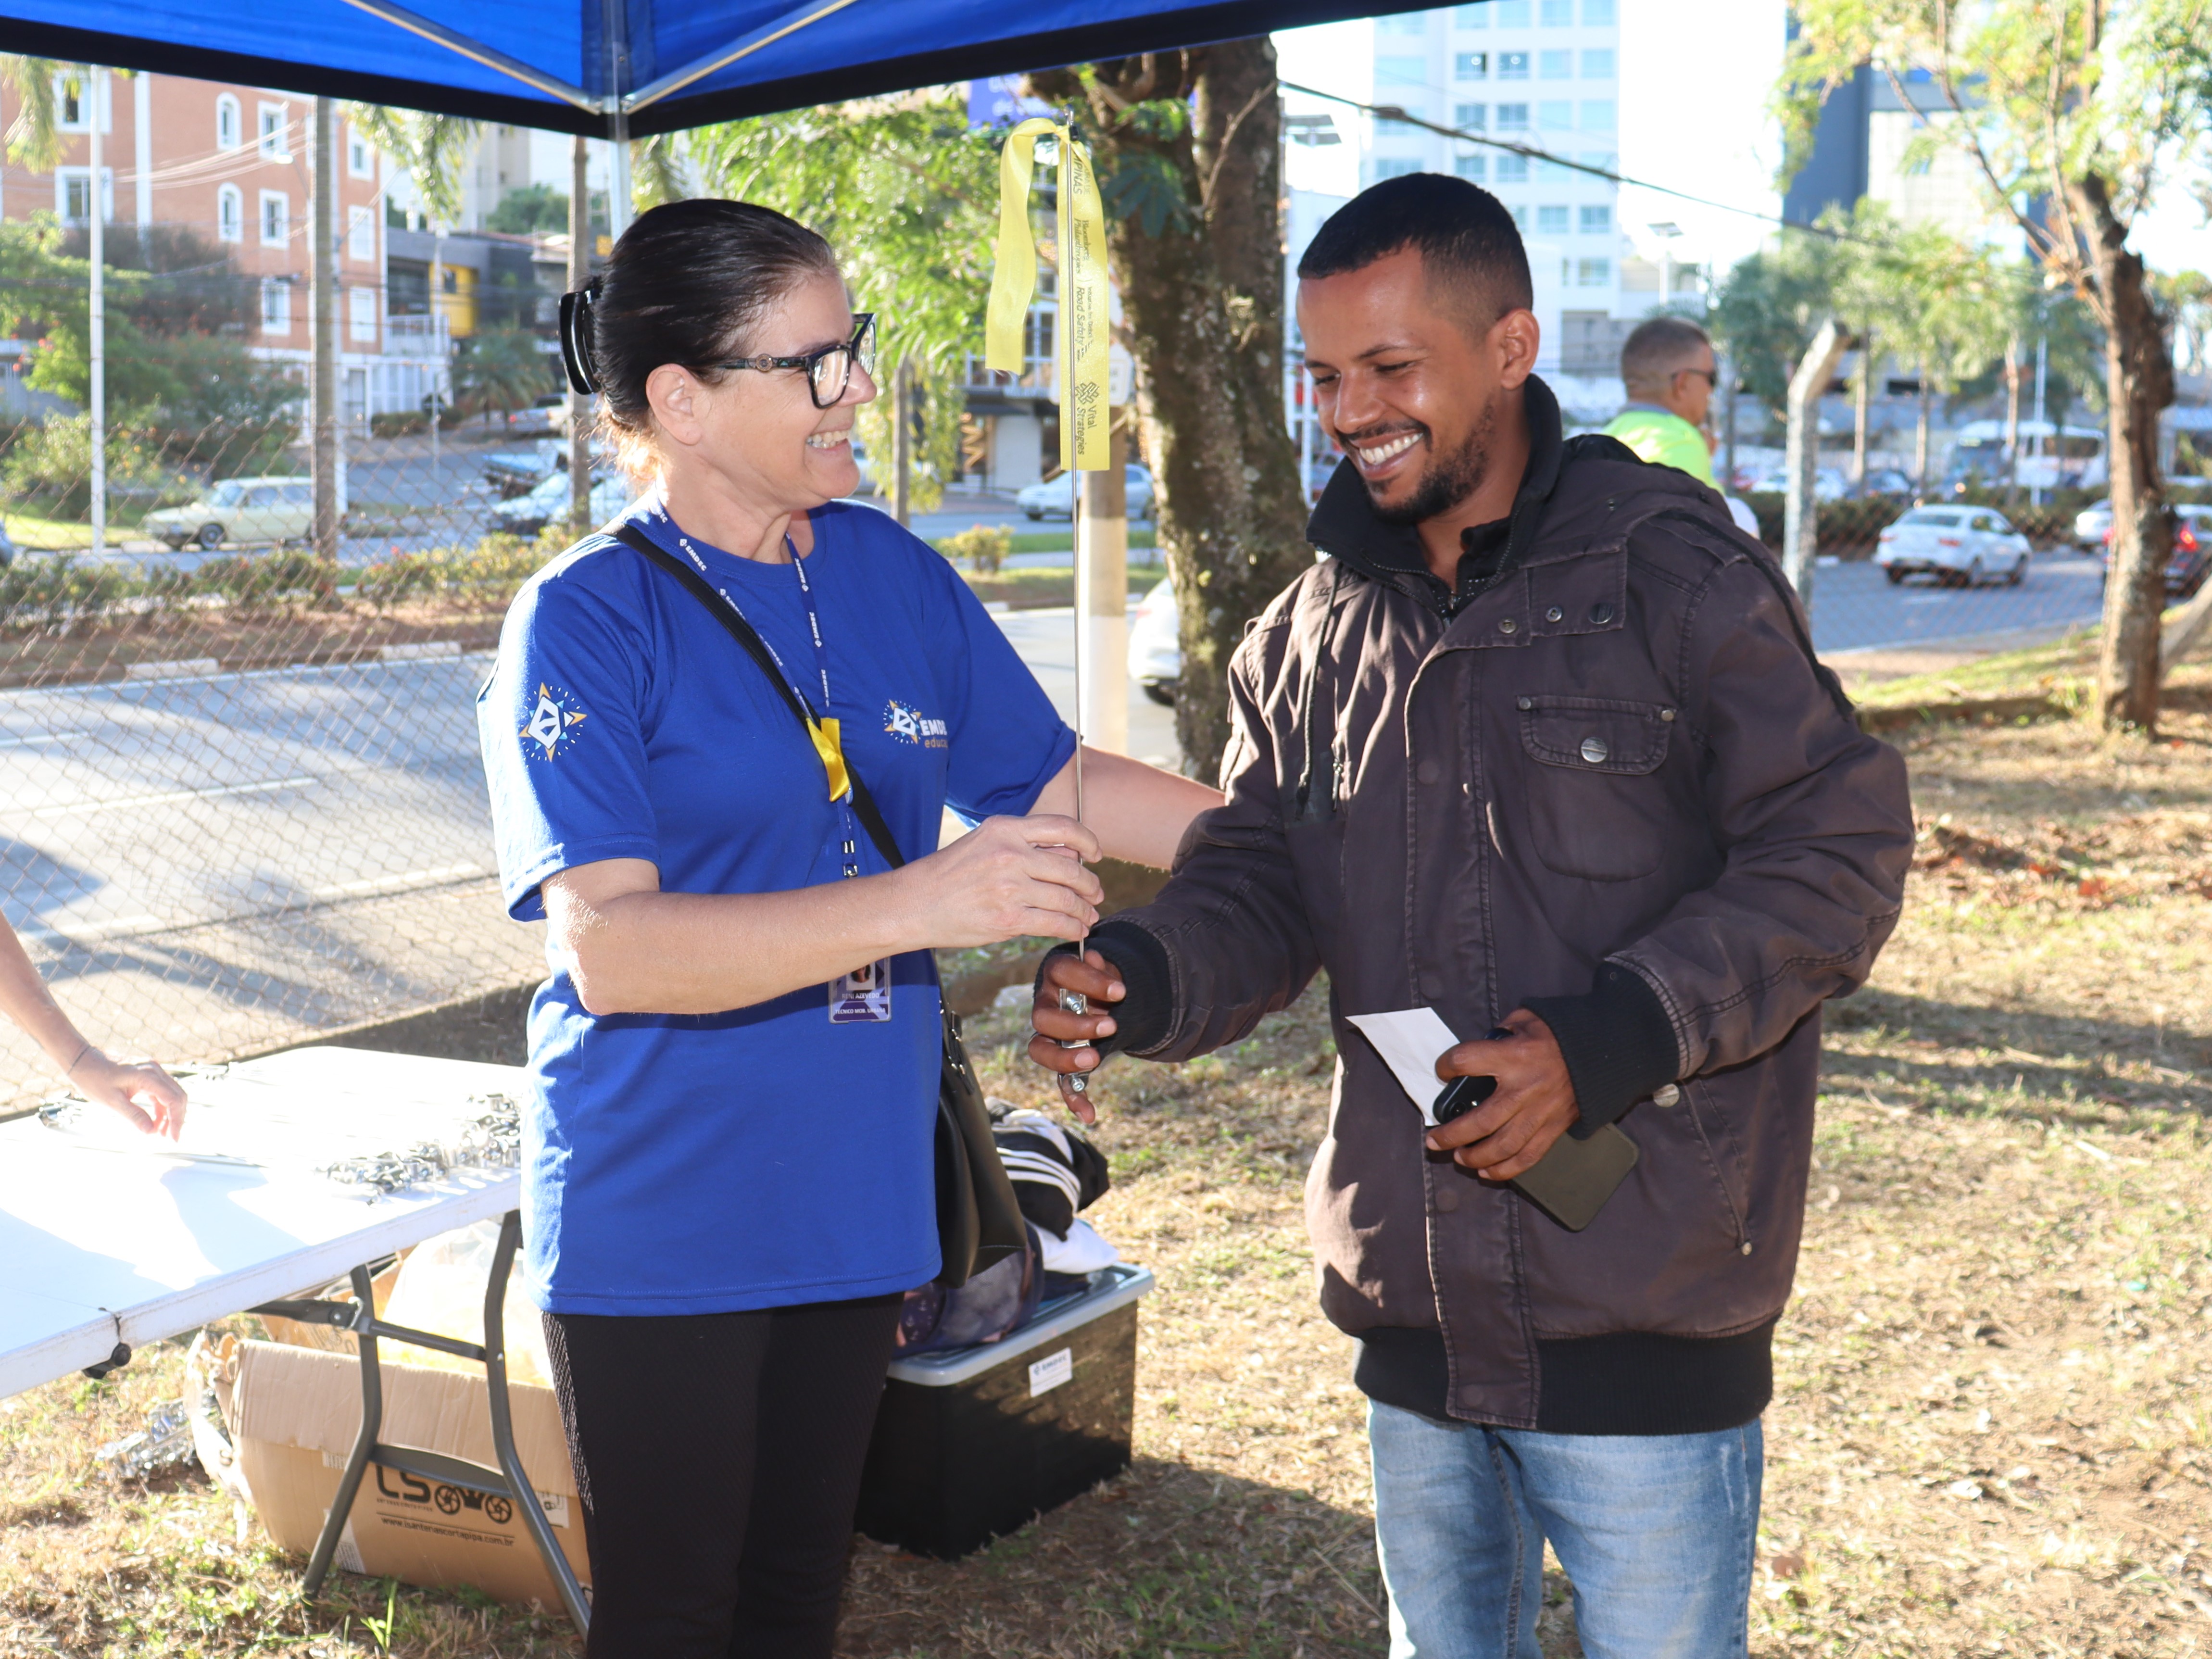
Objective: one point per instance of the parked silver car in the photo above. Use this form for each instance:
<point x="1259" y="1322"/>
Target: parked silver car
<point x="1966" y="545"/>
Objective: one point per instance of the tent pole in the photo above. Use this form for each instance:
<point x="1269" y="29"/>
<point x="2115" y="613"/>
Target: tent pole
<point x="96" y="222"/>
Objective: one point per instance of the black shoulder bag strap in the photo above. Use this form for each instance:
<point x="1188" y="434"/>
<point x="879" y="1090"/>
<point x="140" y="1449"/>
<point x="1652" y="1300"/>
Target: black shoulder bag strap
<point x="864" y="803"/>
<point x="979" y="1221"/>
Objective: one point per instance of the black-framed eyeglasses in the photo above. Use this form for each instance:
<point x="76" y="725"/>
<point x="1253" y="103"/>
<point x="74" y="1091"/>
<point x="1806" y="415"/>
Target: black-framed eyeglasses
<point x="830" y="370"/>
<point x="1712" y="375"/>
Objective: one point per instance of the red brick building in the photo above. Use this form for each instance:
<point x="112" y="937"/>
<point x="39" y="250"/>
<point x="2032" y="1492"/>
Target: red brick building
<point x="232" y="163"/>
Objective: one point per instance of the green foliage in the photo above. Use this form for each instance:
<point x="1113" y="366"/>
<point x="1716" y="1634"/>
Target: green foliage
<point x="984" y="546"/>
<point x="433" y="149"/>
<point x="532" y="207"/>
<point x="1768" y="308"/>
<point x="35" y="139"/>
<point x="500" y="370"/>
<point x="935" y="452"/>
<point x="52" y="464"/>
<point x="903" y="190"/>
<point x="2101" y="98"/>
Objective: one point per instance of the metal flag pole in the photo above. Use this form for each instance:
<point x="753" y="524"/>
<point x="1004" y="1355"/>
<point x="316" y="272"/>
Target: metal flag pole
<point x="1073" y="1084"/>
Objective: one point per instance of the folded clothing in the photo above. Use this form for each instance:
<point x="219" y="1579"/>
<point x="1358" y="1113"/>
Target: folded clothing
<point x="1056" y="1170"/>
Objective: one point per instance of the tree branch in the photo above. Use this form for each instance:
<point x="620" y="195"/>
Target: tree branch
<point x="1266" y="89"/>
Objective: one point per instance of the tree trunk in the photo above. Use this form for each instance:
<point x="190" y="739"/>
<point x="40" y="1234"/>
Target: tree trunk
<point x="2138" y="384"/>
<point x="2012" y="420"/>
<point x="1920" y="446"/>
<point x="1862" y="392"/>
<point x="1203" y="304"/>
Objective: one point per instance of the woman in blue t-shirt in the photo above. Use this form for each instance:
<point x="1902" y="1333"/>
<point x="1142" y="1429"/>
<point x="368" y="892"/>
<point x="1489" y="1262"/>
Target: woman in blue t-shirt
<point x="727" y="1161"/>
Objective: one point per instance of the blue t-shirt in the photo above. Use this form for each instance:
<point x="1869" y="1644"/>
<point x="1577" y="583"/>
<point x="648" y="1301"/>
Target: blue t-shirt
<point x="707" y="1163"/>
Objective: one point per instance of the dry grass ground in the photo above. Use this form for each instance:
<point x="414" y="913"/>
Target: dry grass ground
<point x="1993" y="1428"/>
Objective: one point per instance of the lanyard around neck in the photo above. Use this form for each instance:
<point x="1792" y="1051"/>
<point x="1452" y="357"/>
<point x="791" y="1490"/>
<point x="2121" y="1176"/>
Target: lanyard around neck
<point x="821" y="726"/>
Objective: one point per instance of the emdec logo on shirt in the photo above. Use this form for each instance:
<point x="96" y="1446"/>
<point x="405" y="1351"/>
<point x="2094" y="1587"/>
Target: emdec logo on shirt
<point x="912" y="725"/>
<point x="553" y="723"/>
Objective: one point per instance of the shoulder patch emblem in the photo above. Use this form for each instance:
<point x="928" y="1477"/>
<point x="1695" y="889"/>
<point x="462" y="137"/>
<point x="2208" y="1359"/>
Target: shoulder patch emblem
<point x="553" y="723"/>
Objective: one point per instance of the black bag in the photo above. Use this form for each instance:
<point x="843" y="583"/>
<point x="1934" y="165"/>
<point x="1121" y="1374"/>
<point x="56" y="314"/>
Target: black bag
<point x="979" y="1222"/>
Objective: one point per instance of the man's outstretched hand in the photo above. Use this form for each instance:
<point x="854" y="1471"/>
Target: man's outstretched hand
<point x="1092" y="977"/>
<point x="1534" y="1105"/>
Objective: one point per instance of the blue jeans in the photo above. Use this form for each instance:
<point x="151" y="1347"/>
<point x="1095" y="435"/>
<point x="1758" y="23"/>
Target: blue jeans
<point x="1657" y="1532"/>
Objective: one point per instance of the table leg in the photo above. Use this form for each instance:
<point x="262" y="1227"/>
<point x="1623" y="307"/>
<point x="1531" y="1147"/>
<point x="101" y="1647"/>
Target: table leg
<point x="364" y="1443"/>
<point x="502" y="1425"/>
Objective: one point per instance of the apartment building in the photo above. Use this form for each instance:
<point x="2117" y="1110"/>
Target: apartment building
<point x="231" y="163"/>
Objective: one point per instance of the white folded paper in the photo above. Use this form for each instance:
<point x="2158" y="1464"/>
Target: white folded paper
<point x="1411" y="1042"/>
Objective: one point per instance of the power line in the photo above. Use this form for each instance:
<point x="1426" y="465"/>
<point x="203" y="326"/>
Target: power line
<point x="1393" y="113"/>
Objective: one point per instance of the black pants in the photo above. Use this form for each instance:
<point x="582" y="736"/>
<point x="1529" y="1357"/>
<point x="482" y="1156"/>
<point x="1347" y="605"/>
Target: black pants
<point x="718" y="1456"/>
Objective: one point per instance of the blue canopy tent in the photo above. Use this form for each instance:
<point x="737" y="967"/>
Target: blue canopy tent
<point x="625" y="68"/>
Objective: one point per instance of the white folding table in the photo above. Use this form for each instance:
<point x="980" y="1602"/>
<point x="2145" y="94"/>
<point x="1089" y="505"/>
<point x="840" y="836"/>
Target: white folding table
<point x="110" y="1243"/>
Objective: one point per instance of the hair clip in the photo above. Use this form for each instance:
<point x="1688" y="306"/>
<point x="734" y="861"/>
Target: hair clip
<point x="575" y="341"/>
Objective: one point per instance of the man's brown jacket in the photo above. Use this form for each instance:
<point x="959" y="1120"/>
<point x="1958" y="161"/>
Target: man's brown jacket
<point x="1604" y="778"/>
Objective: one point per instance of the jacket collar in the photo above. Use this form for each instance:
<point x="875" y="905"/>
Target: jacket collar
<point x="1345" y="524"/>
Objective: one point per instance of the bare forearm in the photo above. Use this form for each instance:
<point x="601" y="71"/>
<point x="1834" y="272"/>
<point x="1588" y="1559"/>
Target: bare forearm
<point x="651" y="952"/>
<point x="25" y="999"/>
<point x="1139" y="813"/>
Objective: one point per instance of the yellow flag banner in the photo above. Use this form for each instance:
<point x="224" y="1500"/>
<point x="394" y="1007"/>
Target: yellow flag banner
<point x="1080" y="340"/>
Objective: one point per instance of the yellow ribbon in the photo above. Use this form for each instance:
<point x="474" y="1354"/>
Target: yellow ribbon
<point x="1080" y="340"/>
<point x="826" y="744"/>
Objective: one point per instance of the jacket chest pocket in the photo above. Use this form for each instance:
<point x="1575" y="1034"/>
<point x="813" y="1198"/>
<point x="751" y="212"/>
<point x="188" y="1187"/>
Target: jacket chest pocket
<point x="1597" y="805"/>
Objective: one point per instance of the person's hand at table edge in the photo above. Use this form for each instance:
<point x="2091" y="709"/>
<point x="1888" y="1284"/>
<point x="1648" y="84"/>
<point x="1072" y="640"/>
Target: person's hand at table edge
<point x="140" y="1092"/>
<point x="1533" y="1107"/>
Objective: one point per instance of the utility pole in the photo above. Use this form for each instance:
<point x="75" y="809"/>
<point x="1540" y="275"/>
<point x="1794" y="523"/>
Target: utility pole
<point x="1101" y="598"/>
<point x="322" y="275"/>
<point x="579" y="272"/>
<point x="96" y="215"/>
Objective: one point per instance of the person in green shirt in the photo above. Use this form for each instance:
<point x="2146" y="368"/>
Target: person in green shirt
<point x="1669" y="367"/>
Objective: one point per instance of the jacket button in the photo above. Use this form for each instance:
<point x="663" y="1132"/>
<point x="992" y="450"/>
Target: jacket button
<point x="1746" y="1247"/>
<point x="1595" y="751"/>
<point x="1602" y="612"/>
<point x="1431" y="985"/>
<point x="1447" y="1198"/>
<point x="1524" y="704"/>
<point x="1426" y="771"/>
<point x="1555" y="615"/>
<point x="1506" y="624"/>
<point x="1666" y="714"/>
<point x="1665" y="1095"/>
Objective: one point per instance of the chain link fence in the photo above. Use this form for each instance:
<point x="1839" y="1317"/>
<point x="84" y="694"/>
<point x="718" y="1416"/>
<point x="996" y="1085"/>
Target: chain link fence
<point x="239" y="788"/>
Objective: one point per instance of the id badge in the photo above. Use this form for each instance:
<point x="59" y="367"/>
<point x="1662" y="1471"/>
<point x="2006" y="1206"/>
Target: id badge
<point x="861" y="996"/>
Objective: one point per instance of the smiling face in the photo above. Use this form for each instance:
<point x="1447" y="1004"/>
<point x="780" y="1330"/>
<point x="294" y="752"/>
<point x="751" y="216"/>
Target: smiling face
<point x="755" y="438"/>
<point x="1412" y="384"/>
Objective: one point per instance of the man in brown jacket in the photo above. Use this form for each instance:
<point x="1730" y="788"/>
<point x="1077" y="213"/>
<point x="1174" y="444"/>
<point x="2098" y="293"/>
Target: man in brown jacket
<point x="1541" y="745"/>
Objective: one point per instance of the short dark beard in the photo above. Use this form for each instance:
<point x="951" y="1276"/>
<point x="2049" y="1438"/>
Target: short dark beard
<point x="1449" y="479"/>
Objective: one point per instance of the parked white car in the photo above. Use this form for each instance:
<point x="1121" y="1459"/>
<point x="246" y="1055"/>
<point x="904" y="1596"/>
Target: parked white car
<point x="1156" y="644"/>
<point x="1057" y="494"/>
<point x="2092" y="525"/>
<point x="1966" y="545"/>
<point x="1829" y="485"/>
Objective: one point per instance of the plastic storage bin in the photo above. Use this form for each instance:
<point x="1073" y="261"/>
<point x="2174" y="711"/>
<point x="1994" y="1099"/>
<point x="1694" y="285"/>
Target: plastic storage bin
<point x="971" y="1443"/>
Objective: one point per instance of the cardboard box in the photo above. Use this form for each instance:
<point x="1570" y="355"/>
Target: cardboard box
<point x="294" y="1412"/>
